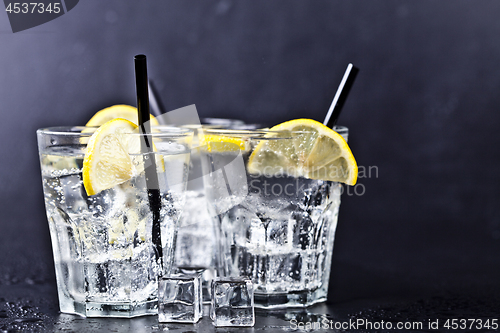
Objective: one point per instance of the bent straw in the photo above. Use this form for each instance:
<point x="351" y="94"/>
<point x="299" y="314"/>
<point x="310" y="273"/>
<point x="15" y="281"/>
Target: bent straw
<point x="157" y="108"/>
<point x="340" y="96"/>
<point x="153" y="188"/>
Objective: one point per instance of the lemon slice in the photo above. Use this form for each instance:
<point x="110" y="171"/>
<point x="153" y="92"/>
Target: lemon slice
<point x="110" y="158"/>
<point x="223" y="143"/>
<point x="315" y="152"/>
<point x="117" y="111"/>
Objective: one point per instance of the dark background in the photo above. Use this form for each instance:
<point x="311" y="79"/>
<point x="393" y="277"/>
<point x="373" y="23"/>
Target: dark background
<point x="424" y="111"/>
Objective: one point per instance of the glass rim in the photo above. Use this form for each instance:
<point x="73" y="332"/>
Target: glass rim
<point x="243" y="134"/>
<point x="162" y="131"/>
<point x="220" y="121"/>
<point x="241" y="127"/>
<point x="202" y="126"/>
<point x="263" y="134"/>
<point x="338" y="128"/>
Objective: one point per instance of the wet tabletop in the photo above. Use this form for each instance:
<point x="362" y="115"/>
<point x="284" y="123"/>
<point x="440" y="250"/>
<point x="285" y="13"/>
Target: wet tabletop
<point x="32" y="306"/>
<point x="425" y="287"/>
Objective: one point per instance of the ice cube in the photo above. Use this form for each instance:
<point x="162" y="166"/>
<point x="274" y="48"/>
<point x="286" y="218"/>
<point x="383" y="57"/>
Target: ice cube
<point x="232" y="302"/>
<point x="180" y="299"/>
<point x="207" y="274"/>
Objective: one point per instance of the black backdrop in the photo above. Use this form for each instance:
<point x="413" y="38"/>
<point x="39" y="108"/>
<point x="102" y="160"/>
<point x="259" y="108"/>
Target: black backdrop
<point x="423" y="114"/>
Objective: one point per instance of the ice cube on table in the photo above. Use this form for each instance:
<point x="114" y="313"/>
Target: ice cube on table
<point x="180" y="299"/>
<point x="232" y="302"/>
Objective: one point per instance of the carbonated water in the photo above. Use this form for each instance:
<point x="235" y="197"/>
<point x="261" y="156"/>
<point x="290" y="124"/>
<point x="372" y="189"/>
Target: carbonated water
<point x="104" y="258"/>
<point x="281" y="236"/>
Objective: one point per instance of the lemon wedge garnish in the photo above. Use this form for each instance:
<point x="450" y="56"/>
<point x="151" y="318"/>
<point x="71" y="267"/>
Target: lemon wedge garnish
<point x="110" y="156"/>
<point x="117" y="111"/>
<point x="315" y="152"/>
<point x="223" y="143"/>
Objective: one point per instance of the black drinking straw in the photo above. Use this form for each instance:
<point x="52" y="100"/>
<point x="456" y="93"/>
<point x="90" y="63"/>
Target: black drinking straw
<point x="340" y="96"/>
<point x="153" y="188"/>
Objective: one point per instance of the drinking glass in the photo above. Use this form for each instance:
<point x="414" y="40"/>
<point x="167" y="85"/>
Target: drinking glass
<point x="195" y="245"/>
<point x="273" y="227"/>
<point x="105" y="259"/>
<point x="222" y="122"/>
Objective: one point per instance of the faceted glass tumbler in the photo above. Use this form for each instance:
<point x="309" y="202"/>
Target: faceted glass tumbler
<point x="195" y="243"/>
<point x="273" y="225"/>
<point x="232" y="302"/>
<point x="180" y="299"/>
<point x="106" y="256"/>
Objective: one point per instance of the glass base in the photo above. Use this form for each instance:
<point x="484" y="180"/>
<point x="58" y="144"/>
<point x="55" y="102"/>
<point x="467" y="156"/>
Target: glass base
<point x="299" y="299"/>
<point x="118" y="309"/>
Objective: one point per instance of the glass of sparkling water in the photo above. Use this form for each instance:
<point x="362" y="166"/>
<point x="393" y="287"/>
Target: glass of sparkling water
<point x="195" y="245"/>
<point x="105" y="260"/>
<point x="274" y="228"/>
